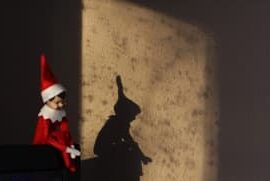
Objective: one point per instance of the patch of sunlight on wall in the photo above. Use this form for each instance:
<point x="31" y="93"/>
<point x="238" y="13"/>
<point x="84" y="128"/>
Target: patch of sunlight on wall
<point x="168" y="68"/>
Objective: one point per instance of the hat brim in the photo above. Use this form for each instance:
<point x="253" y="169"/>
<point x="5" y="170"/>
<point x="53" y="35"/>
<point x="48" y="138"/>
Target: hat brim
<point x="51" y="92"/>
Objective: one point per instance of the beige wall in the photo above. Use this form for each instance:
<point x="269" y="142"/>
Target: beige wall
<point x="168" y="68"/>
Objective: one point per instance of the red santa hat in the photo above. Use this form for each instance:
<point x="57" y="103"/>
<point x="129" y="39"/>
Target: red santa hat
<point x="49" y="85"/>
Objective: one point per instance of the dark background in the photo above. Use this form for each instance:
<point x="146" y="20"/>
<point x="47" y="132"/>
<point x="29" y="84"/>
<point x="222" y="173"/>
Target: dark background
<point x="241" y="29"/>
<point x="29" y="28"/>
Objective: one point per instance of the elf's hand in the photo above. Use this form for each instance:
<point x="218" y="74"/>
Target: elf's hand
<point x="146" y="160"/>
<point x="73" y="151"/>
<point x="77" y="152"/>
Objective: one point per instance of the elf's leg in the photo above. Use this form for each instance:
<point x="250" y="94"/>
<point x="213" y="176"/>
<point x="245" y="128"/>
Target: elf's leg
<point x="68" y="162"/>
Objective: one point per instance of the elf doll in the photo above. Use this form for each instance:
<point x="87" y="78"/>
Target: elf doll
<point x="52" y="125"/>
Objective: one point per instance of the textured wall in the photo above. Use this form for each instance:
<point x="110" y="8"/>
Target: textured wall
<point x="168" y="68"/>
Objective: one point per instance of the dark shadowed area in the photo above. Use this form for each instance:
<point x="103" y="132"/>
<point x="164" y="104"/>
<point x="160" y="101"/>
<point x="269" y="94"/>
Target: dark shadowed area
<point x="27" y="29"/>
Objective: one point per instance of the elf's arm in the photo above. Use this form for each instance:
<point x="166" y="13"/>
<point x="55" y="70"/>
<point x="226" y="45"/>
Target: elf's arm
<point x="65" y="129"/>
<point x="71" y="147"/>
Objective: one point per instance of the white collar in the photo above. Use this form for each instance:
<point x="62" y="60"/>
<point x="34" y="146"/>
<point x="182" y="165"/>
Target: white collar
<point x="52" y="114"/>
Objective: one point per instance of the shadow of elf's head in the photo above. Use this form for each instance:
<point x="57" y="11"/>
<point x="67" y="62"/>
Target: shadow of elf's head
<point x="124" y="107"/>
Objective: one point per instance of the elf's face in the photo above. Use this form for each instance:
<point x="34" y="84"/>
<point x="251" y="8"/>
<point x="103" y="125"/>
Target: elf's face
<point x="56" y="103"/>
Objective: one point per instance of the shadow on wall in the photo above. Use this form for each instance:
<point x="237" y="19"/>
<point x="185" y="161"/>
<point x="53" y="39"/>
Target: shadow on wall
<point x="119" y="156"/>
<point x="242" y="36"/>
